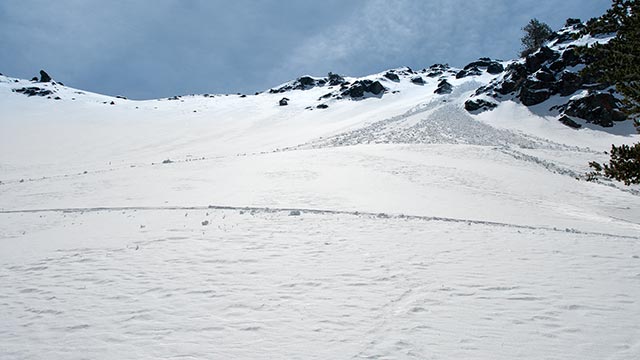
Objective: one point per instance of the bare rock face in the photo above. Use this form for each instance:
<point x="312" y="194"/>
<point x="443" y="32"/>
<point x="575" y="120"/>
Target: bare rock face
<point x="600" y="108"/>
<point x="444" y="87"/>
<point x="359" y="88"/>
<point x="33" y="91"/>
<point x="552" y="72"/>
<point x="569" y="122"/>
<point x="392" y="76"/>
<point x="418" y="80"/>
<point x="479" y="104"/>
<point x="44" y="77"/>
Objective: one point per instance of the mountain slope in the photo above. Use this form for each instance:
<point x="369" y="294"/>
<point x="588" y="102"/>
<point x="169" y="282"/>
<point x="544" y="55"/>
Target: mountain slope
<point x="390" y="222"/>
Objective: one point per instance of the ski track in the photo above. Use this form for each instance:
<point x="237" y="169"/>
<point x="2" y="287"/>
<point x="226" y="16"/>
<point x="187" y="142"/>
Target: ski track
<point x="314" y="211"/>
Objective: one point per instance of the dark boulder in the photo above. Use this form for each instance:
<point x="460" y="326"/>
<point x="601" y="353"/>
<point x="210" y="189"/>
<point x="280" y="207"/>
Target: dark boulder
<point x="44" y="77"/>
<point x="304" y="83"/>
<point x="35" y="78"/>
<point x="322" y="106"/>
<point x="600" y="108"/>
<point x="444" y="87"/>
<point x="284" y="101"/>
<point x="360" y="87"/>
<point x="436" y="70"/>
<point x="571" y="57"/>
<point x="572" y="22"/>
<point x="484" y="62"/>
<point x="325" y="96"/>
<point x="418" y="80"/>
<point x="535" y="61"/>
<point x="355" y="91"/>
<point x="535" y="84"/>
<point x="335" y="79"/>
<point x="473" y="71"/>
<point x="515" y="77"/>
<point x="33" y="91"/>
<point x="557" y="66"/>
<point x="480" y="104"/>
<point x="545" y="75"/>
<point x="568" y="84"/>
<point x="569" y="122"/>
<point x="530" y="97"/>
<point x="492" y="67"/>
<point x="495" y="68"/>
<point x="391" y="76"/>
<point x="376" y="88"/>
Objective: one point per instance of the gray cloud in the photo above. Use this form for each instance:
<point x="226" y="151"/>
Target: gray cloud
<point x="146" y="49"/>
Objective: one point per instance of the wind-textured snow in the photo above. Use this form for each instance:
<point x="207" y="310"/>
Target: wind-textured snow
<point x="384" y="228"/>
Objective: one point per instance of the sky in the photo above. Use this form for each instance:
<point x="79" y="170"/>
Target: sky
<point x="146" y="49"/>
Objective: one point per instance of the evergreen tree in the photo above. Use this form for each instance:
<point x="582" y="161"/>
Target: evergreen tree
<point x="535" y="34"/>
<point x="624" y="165"/>
<point x="618" y="62"/>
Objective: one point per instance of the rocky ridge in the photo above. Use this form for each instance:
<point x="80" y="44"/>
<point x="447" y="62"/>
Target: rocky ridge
<point x="549" y="79"/>
<point x="554" y="72"/>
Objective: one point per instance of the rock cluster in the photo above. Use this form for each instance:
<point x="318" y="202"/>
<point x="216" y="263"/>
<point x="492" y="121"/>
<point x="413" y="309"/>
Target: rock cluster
<point x="548" y="72"/>
<point x="444" y="87"/>
<point x="361" y="87"/>
<point x="479" y="104"/>
<point x="475" y="68"/>
<point x="33" y="91"/>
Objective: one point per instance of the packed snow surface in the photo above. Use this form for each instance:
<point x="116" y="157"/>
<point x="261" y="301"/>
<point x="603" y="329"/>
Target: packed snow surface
<point x="391" y="227"/>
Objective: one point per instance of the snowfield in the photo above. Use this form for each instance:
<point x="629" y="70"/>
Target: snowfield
<point x="392" y="227"/>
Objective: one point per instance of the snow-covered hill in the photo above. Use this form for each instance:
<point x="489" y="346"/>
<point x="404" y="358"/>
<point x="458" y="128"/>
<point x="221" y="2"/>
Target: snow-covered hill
<point x="366" y="218"/>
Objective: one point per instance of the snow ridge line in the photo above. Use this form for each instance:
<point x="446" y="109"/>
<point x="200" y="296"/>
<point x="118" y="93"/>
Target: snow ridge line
<point x="318" y="212"/>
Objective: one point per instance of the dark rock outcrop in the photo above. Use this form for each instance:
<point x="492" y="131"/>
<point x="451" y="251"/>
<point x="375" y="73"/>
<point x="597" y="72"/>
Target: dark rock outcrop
<point x="284" y="101"/>
<point x="491" y="66"/>
<point x="472" y="71"/>
<point x="33" y="91"/>
<point x="568" y="83"/>
<point x="360" y="87"/>
<point x="479" y="104"/>
<point x="545" y="55"/>
<point x="392" y="76"/>
<point x="44" y="77"/>
<point x="548" y="72"/>
<point x="444" y="88"/>
<point x="436" y="70"/>
<point x="569" y="122"/>
<point x="418" y="80"/>
<point x="600" y="108"/>
<point x="335" y="79"/>
<point x="530" y="96"/>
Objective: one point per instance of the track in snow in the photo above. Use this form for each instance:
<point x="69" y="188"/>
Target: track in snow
<point x="312" y="211"/>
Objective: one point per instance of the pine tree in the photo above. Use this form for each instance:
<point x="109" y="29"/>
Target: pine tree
<point x="618" y="62"/>
<point x="535" y="34"/>
<point x="624" y="165"/>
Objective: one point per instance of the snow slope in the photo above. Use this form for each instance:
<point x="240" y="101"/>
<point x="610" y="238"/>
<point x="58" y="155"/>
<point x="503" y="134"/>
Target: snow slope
<point x="424" y="231"/>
